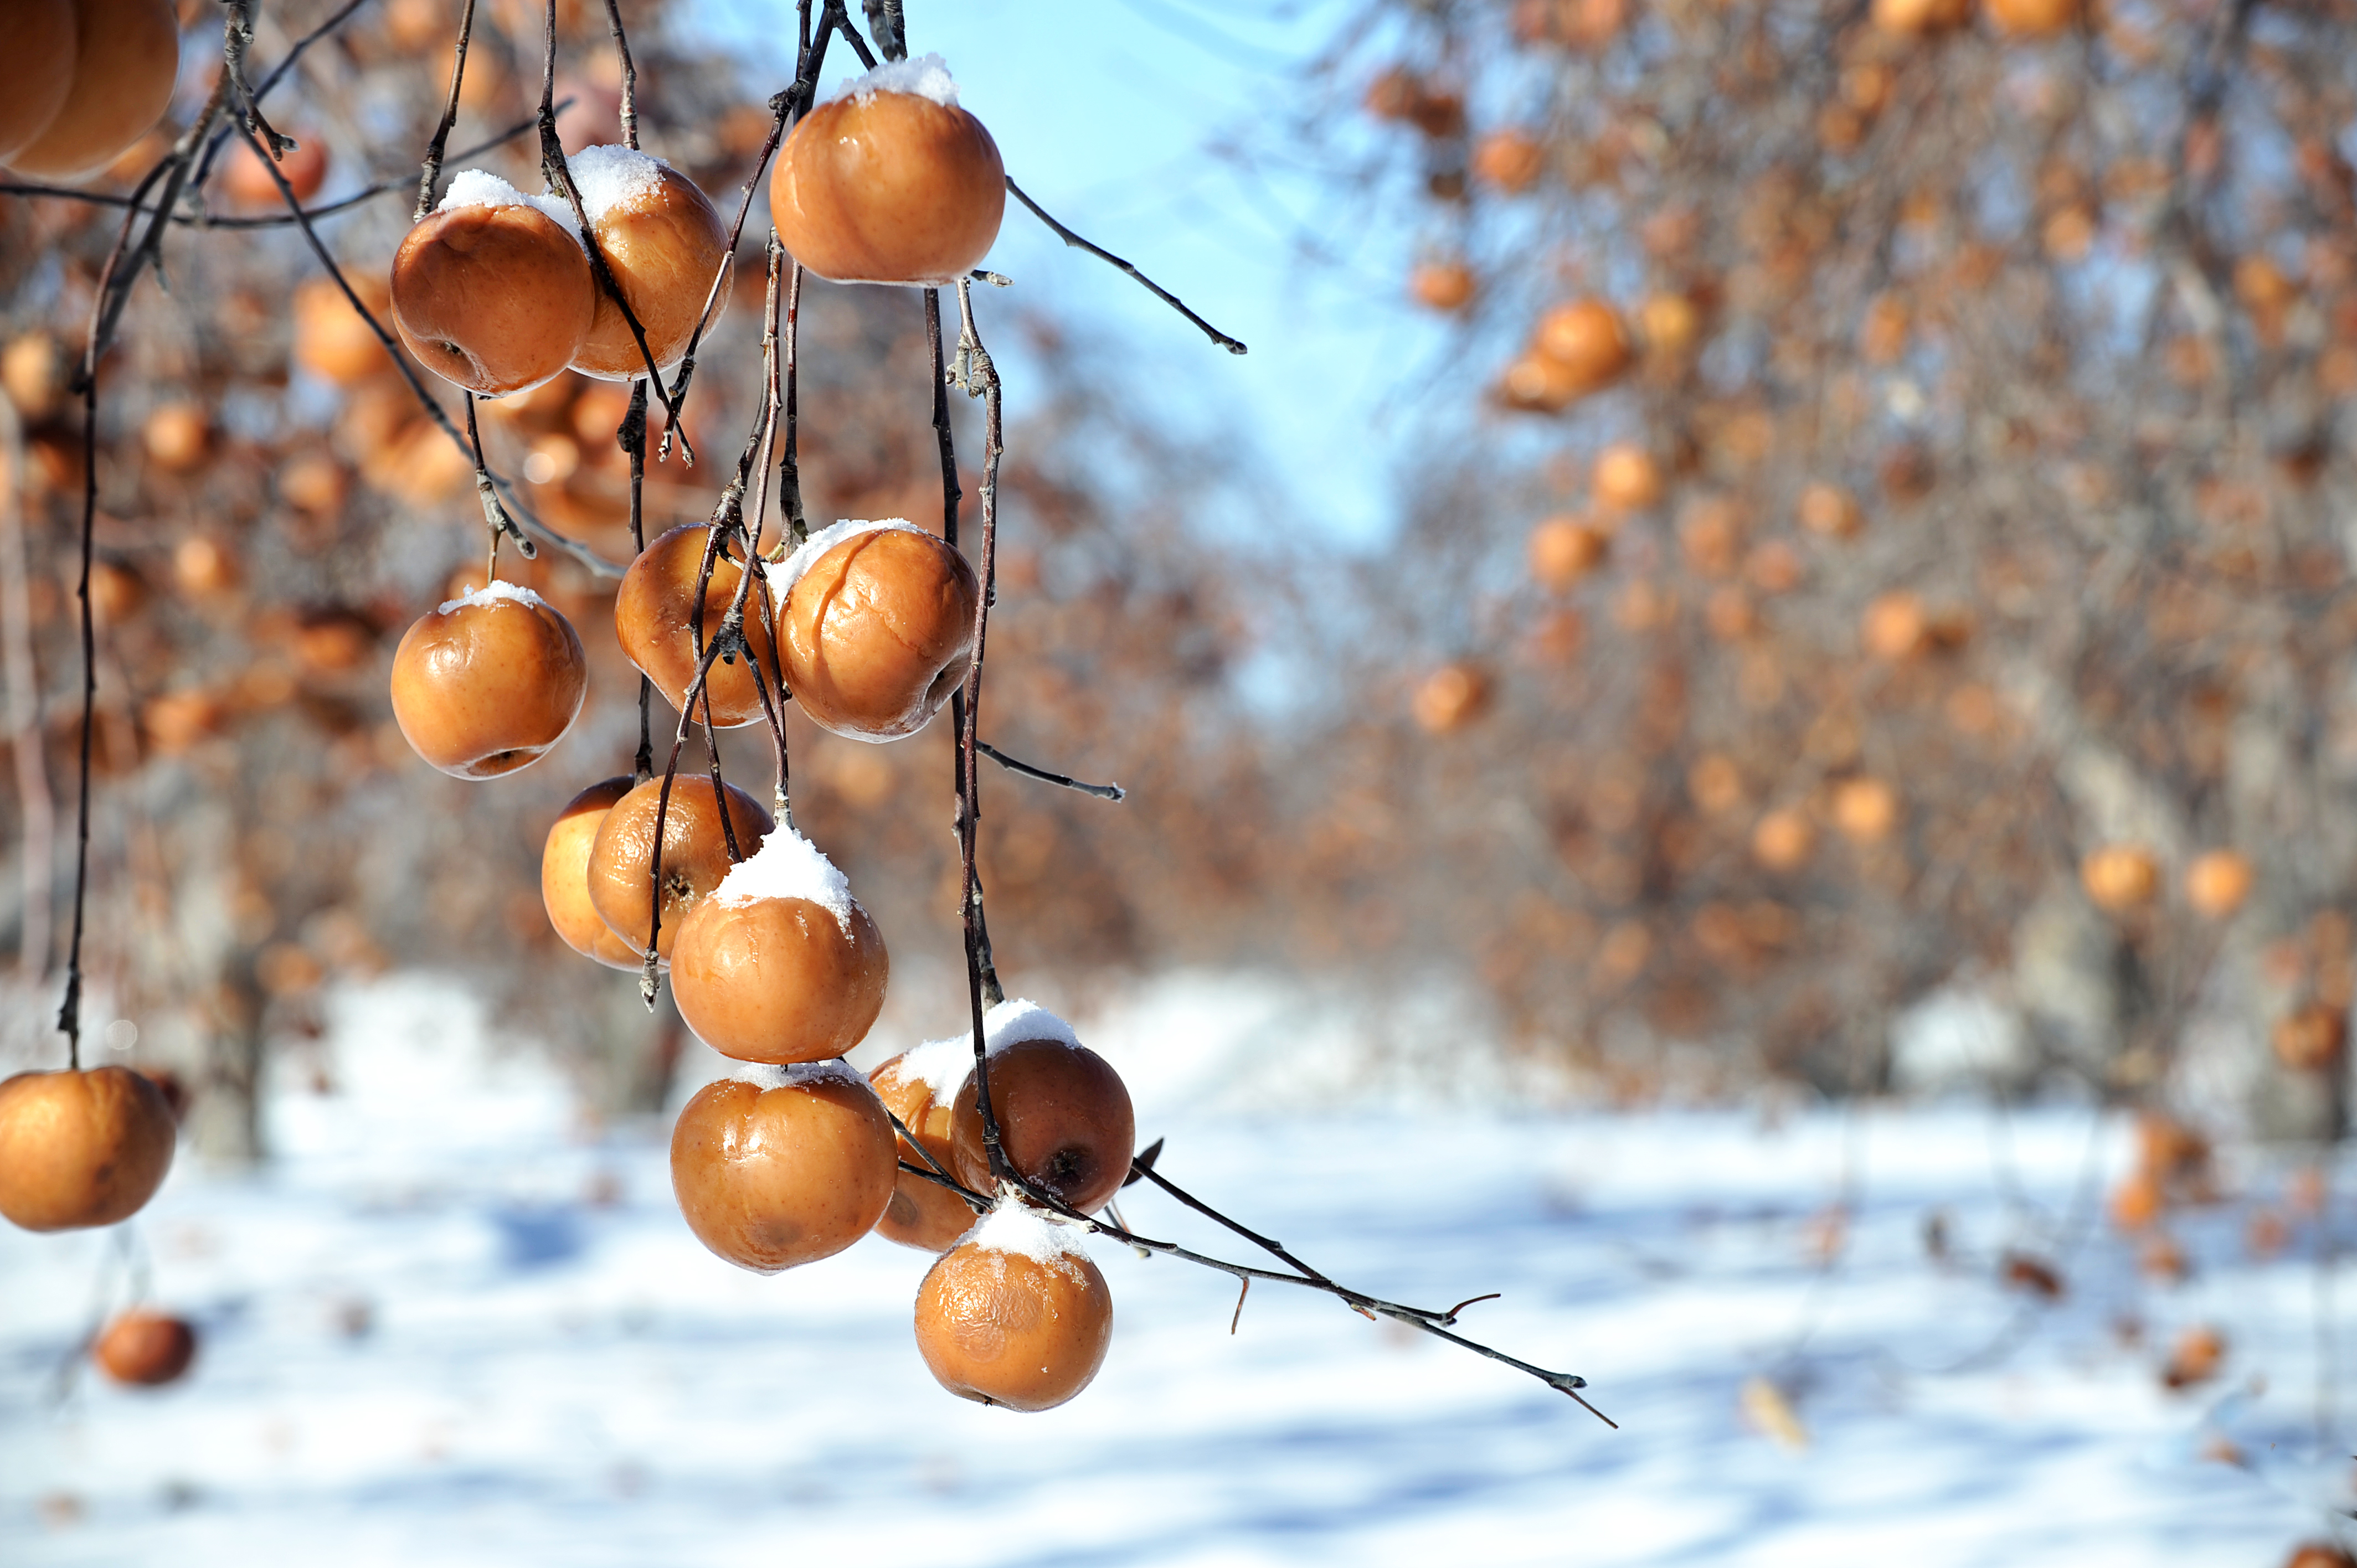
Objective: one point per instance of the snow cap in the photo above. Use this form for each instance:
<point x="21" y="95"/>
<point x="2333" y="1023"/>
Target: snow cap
<point x="942" y="1064"/>
<point x="826" y="539"/>
<point x="927" y="76"/>
<point x="1016" y="1226"/>
<point x="611" y="177"/>
<point x="481" y="188"/>
<point x="764" y="1076"/>
<point x="788" y="865"/>
<point x="493" y="593"/>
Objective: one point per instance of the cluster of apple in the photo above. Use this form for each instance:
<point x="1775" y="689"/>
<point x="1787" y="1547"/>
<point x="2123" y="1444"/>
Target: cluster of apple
<point x="83" y="81"/>
<point x="868" y="626"/>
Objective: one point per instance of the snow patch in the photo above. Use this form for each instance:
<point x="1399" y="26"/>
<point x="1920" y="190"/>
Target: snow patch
<point x="1016" y="1226"/>
<point x="611" y="177"/>
<point x="942" y="1064"/>
<point x="794" y="1075"/>
<point x="481" y="188"/>
<point x="826" y="539"/>
<point x="788" y="865"/>
<point x="493" y="592"/>
<point x="927" y="76"/>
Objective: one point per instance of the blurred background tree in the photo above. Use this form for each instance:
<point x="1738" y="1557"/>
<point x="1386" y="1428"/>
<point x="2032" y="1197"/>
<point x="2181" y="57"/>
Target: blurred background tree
<point x="1878" y="537"/>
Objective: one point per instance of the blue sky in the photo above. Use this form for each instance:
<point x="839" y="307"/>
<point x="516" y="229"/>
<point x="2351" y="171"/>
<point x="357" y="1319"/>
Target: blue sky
<point x="1103" y="110"/>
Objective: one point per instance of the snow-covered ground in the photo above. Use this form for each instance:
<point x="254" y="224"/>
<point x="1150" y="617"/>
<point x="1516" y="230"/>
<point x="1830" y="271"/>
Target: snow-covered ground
<point x="448" y="1327"/>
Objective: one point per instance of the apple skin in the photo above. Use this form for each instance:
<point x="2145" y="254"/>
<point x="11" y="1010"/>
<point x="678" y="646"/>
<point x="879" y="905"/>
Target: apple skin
<point x="484" y="688"/>
<point x="768" y="1179"/>
<point x="1005" y="1329"/>
<point x="494" y="299"/>
<point x="146" y="1350"/>
<point x="81" y="1149"/>
<point x="922" y="1214"/>
<point x="564" y="875"/>
<point x="126" y="58"/>
<point x="651" y="610"/>
<point x="778" y="980"/>
<point x="694" y="855"/>
<point x="37" y="71"/>
<point x="891" y="188"/>
<point x="1064" y="1120"/>
<point x="879" y="632"/>
<point x="663" y="250"/>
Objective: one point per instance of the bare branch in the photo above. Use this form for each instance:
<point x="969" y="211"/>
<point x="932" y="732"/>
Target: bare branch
<point x="1231" y="345"/>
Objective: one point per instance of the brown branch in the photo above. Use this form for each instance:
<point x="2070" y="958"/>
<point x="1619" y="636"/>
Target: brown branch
<point x="237" y="37"/>
<point x="630" y="75"/>
<point x="431" y="173"/>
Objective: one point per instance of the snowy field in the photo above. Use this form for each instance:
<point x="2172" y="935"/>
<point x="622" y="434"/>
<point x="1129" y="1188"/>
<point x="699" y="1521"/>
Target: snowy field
<point x="449" y="1328"/>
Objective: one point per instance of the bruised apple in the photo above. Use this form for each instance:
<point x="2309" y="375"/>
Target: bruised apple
<point x="876" y="627"/>
<point x="663" y="241"/>
<point x="1064" y="1117"/>
<point x="564" y="875"/>
<point x="80" y="1148"/>
<point x="1016" y="1315"/>
<point x="652" y="612"/>
<point x="780" y="1165"/>
<point x="779" y="964"/>
<point x="891" y="182"/>
<point x="694" y="855"/>
<point x="485" y="684"/>
<point x="492" y="291"/>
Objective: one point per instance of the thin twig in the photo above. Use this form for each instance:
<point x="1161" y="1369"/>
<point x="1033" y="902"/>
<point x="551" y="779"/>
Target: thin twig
<point x="630" y="75"/>
<point x="276" y="219"/>
<point x="431" y="173"/>
<point x="1231" y="345"/>
<point x="237" y="37"/>
<point x="1102" y="791"/>
<point x="495" y="516"/>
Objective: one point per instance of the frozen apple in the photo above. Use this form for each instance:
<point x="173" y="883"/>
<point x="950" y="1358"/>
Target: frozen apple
<point x="780" y="1166"/>
<point x="919" y="1086"/>
<point x="779" y="964"/>
<point x="126" y="56"/>
<point x="36" y="69"/>
<point x="1065" y="1122"/>
<point x="890" y="182"/>
<point x="493" y="291"/>
<point x="245" y="175"/>
<point x="79" y="1149"/>
<point x="664" y="243"/>
<point x="695" y="855"/>
<point x="564" y="875"/>
<point x="1016" y="1315"/>
<point x="485" y="684"/>
<point x="146" y="1348"/>
<point x="652" y="612"/>
<point x="875" y="626"/>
